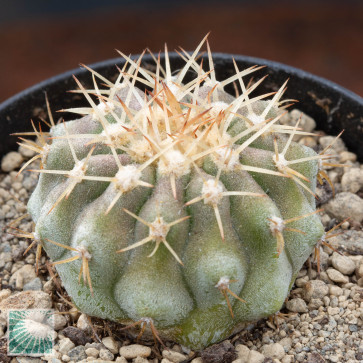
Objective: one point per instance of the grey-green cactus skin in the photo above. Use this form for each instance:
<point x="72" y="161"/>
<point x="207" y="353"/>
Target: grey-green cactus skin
<point x="182" y="300"/>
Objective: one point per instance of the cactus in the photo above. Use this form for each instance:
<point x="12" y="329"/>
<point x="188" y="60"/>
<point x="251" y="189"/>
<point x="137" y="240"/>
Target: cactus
<point x="180" y="209"/>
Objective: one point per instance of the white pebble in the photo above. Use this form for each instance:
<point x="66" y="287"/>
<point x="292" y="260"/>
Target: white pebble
<point x="174" y="356"/>
<point x="65" y="345"/>
<point x="111" y="344"/>
<point x="352" y="180"/>
<point x="343" y="264"/>
<point x="337" y="276"/>
<point x="92" y="352"/>
<point x="275" y="351"/>
<point x="297" y="305"/>
<point x="11" y="161"/>
<point x="345" y="205"/>
<point x="135" y="350"/>
<point x="255" y="357"/>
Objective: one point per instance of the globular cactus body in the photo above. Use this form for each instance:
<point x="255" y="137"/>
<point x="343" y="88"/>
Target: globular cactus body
<point x="183" y="209"/>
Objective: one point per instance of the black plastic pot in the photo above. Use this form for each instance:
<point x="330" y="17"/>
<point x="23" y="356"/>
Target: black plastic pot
<point x="333" y="107"/>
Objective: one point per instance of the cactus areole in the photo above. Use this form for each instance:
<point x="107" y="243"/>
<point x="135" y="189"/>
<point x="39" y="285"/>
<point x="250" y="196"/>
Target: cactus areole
<point x="174" y="207"/>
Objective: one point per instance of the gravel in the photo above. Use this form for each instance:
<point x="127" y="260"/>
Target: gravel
<point x="321" y="322"/>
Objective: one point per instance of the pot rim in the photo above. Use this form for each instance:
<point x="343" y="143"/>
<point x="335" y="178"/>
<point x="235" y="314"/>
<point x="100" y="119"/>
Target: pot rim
<point x="332" y="106"/>
<point x="255" y="60"/>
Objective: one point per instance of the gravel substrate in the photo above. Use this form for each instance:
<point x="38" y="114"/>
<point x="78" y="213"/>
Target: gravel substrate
<point x="321" y="321"/>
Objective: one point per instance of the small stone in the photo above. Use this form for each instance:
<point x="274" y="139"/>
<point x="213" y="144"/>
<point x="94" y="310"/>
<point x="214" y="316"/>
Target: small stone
<point x="84" y="324"/>
<point x="275" y="351"/>
<point x="315" y="304"/>
<point x="144" y="360"/>
<point x="345" y="225"/>
<point x="77" y="336"/>
<point x="347" y="156"/>
<point x="222" y="352"/>
<point x="255" y="357"/>
<point x="197" y="360"/>
<point x="4" y="294"/>
<point x="111" y="344"/>
<point x="350" y="240"/>
<point x="286" y="343"/>
<point x="92" y="352"/>
<point x="65" y="345"/>
<point x="337" y="276"/>
<point x="352" y="180"/>
<point x="345" y="205"/>
<point x="22" y="276"/>
<point x="135" y="350"/>
<point x="358" y="272"/>
<point x="49" y="286"/>
<point x="34" y="285"/>
<point x="315" y="358"/>
<point x="343" y="264"/>
<point x="333" y="311"/>
<point x="97" y="346"/>
<point x="308" y="141"/>
<point x="121" y="360"/>
<point x="306" y="122"/>
<point x="60" y="321"/>
<point x="338" y="145"/>
<point x="25" y="152"/>
<point x="242" y="352"/>
<point x="27" y="300"/>
<point x="11" y="161"/>
<point x="106" y="354"/>
<point x="288" y="359"/>
<point x="315" y="289"/>
<point x="28" y="360"/>
<point x="77" y="354"/>
<point x="297" y="305"/>
<point x="335" y="290"/>
<point x="174" y="356"/>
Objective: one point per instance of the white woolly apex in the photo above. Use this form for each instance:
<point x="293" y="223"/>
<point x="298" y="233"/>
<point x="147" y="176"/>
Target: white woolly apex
<point x="227" y="158"/>
<point x="281" y="163"/>
<point x="276" y="224"/>
<point x="36" y="236"/>
<point x="127" y="178"/>
<point x="223" y="283"/>
<point x="174" y="162"/>
<point x="217" y="108"/>
<point x="78" y="171"/>
<point x="159" y="229"/>
<point x="106" y="107"/>
<point x="255" y="119"/>
<point x="156" y="116"/>
<point x="211" y="192"/>
<point x="142" y="149"/>
<point x="82" y="252"/>
<point x="210" y="83"/>
<point x="116" y="132"/>
<point x="113" y="130"/>
<point x="147" y="321"/>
